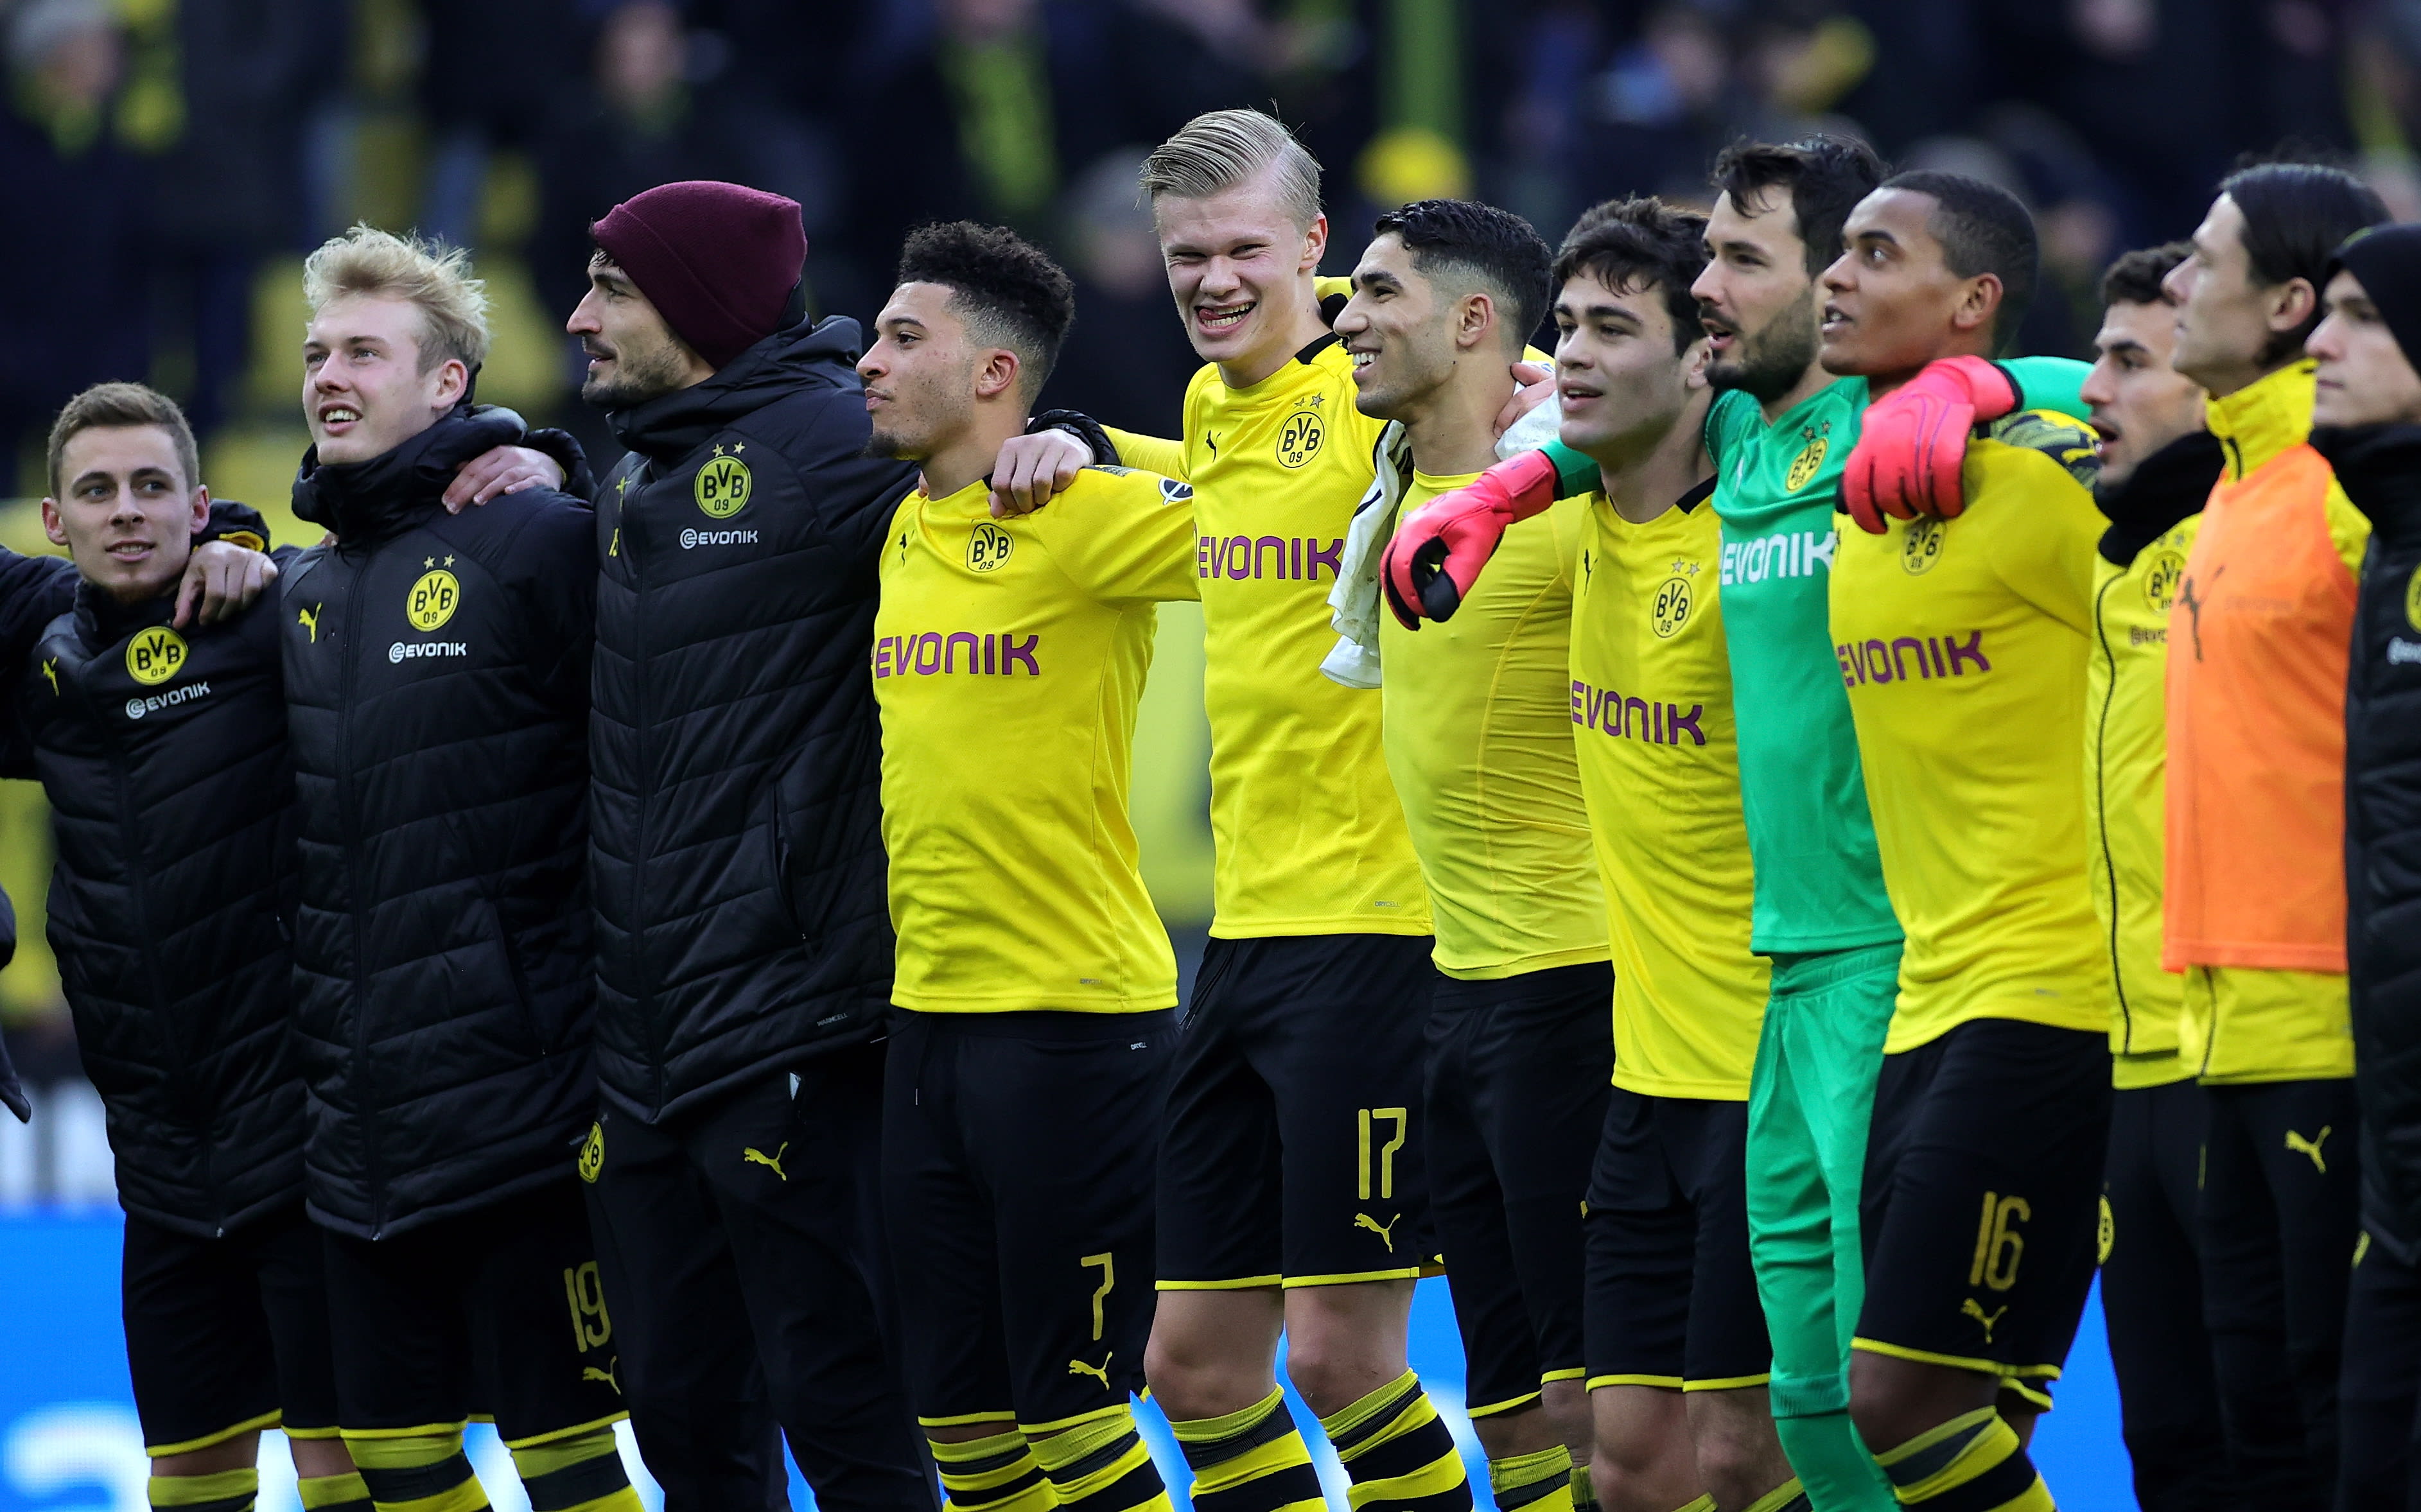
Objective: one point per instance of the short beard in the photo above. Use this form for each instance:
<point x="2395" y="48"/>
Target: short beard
<point x="1773" y="360"/>
<point x="644" y="376"/>
<point x="891" y="448"/>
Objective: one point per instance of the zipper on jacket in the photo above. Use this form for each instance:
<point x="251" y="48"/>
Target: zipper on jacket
<point x="180" y="1059"/>
<point x="2101" y="795"/>
<point x="348" y="806"/>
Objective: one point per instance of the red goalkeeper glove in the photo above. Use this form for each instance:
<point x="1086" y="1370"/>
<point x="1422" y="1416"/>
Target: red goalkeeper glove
<point x="1439" y="549"/>
<point x="1913" y="441"/>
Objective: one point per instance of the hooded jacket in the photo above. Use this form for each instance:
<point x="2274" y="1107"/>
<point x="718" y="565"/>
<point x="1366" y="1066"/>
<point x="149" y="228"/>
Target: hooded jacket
<point x="2380" y="467"/>
<point x="437" y="692"/>
<point x="163" y="755"/>
<point x="742" y="920"/>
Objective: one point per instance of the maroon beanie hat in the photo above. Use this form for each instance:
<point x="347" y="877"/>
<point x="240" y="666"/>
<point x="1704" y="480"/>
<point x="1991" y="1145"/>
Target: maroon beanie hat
<point x="717" y="260"/>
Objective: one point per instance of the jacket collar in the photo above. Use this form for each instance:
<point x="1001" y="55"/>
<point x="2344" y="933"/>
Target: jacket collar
<point x="2380" y="469"/>
<point x="671" y="425"/>
<point x="100" y="619"/>
<point x="365" y="503"/>
<point x="2267" y="416"/>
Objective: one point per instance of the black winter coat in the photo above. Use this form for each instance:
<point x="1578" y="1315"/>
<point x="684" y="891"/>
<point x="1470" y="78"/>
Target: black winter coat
<point x="437" y="694"/>
<point x="163" y="755"/>
<point x="2380" y="468"/>
<point x="739" y="866"/>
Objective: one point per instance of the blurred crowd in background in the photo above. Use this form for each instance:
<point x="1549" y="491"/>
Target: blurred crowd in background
<point x="168" y="161"/>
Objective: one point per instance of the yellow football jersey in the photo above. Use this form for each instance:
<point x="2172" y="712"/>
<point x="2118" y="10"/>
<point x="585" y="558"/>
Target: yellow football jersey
<point x="2126" y="749"/>
<point x="1962" y="646"/>
<point x="1008" y="657"/>
<point x="1651" y="700"/>
<point x="1307" y="834"/>
<point x="1479" y="742"/>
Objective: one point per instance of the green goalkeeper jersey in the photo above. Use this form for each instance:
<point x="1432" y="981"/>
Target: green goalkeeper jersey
<point x="1819" y="882"/>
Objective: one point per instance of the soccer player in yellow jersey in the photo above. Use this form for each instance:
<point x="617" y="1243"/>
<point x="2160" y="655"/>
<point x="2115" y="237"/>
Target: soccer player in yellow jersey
<point x="2157" y="464"/>
<point x="1676" y="1351"/>
<point x="1479" y="743"/>
<point x="1291" y="1174"/>
<point x="1034" y="992"/>
<point x="1962" y="646"/>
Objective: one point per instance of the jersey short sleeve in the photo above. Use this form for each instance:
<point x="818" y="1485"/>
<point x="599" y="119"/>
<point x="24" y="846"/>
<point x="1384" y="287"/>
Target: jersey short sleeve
<point x="1132" y="542"/>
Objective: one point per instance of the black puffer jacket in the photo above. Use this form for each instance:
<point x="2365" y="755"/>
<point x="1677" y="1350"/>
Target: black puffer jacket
<point x="437" y="693"/>
<point x="2380" y="468"/>
<point x="163" y="755"/>
<point x="738" y="864"/>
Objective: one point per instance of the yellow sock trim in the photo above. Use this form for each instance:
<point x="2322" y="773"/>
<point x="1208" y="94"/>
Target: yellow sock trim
<point x="1787" y="1497"/>
<point x="1250" y="1460"/>
<point x="1205" y="1429"/>
<point x="1704" y="1503"/>
<point x="328" y="1493"/>
<point x="1103" y="1466"/>
<point x="1584" y="1491"/>
<point x="998" y="1474"/>
<point x="417" y="1472"/>
<point x="582" y="1474"/>
<point x="1395" y="1448"/>
<point x="1539" y="1482"/>
<point x="1977" y="1446"/>
<point x="226" y="1490"/>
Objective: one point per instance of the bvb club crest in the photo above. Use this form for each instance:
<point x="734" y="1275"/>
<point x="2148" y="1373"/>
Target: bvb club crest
<point x="1671" y="609"/>
<point x="1299" y="439"/>
<point x="2412" y="600"/>
<point x="724" y="485"/>
<point x="2166" y="569"/>
<point x="988" y="547"/>
<point x="432" y="599"/>
<point x="592" y="1153"/>
<point x="1921" y="548"/>
<point x="1803" y="466"/>
<point x="155" y="656"/>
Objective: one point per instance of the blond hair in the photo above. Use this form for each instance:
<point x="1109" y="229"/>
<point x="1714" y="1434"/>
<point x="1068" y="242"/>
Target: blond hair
<point x="123" y="406"/>
<point x="1221" y="148"/>
<point x="433" y="277"/>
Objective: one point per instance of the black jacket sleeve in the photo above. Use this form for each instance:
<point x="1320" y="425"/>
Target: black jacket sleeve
<point x="553" y="569"/>
<point x="238" y="524"/>
<point x="853" y="494"/>
<point x="2166" y="487"/>
<point x="34" y="590"/>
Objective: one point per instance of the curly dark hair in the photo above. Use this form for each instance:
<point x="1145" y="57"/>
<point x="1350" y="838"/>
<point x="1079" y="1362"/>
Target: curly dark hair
<point x="1637" y="245"/>
<point x="1010" y="291"/>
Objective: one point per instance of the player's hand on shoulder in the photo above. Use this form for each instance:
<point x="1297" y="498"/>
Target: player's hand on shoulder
<point x="1534" y="386"/>
<point x="221" y="582"/>
<point x="1033" y="468"/>
<point x="1912" y="442"/>
<point x="500" y="470"/>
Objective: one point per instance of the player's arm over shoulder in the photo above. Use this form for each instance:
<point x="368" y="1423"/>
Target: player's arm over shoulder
<point x="1123" y="536"/>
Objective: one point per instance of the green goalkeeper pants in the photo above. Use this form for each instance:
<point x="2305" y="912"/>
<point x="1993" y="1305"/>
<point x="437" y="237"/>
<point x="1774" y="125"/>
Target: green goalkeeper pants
<point x="1809" y="1102"/>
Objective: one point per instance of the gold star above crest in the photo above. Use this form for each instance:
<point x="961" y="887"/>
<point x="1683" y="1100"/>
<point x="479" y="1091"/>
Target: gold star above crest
<point x="449" y="561"/>
<point x="428" y="561"/>
<point x="739" y="447"/>
<point x="718" y="448"/>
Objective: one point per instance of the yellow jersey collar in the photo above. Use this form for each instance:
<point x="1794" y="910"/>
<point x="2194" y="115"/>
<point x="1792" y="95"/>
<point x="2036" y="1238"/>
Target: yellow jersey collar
<point x="2264" y="417"/>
